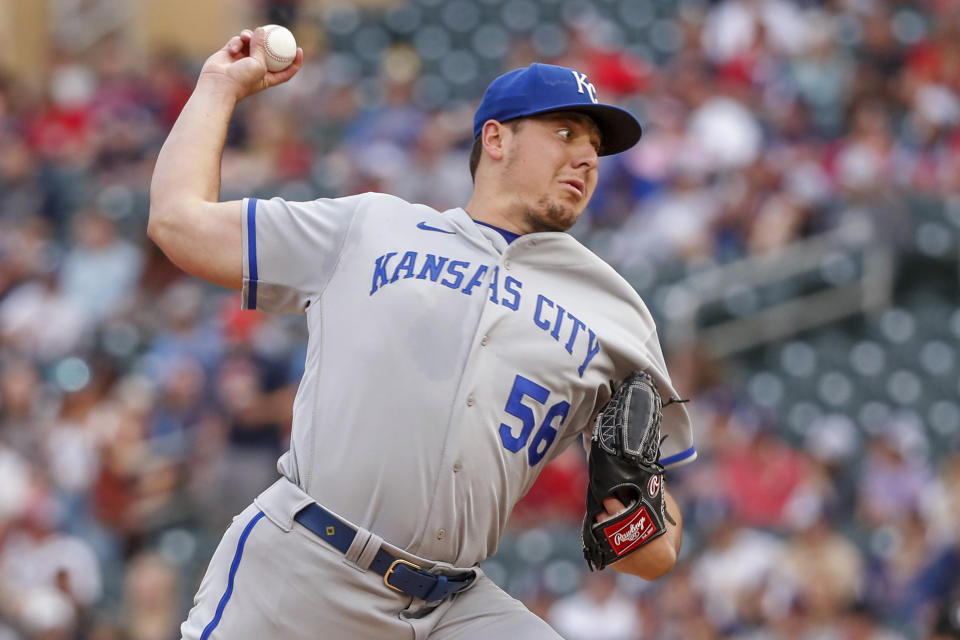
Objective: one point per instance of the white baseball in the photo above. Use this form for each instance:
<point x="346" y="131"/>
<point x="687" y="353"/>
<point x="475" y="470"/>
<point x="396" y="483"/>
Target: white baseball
<point x="279" y="47"/>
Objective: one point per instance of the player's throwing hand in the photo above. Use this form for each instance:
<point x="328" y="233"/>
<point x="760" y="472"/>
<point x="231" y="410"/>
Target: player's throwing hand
<point x="240" y="66"/>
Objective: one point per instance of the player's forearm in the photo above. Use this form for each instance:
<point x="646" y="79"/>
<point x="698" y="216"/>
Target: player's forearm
<point x="187" y="172"/>
<point x="657" y="557"/>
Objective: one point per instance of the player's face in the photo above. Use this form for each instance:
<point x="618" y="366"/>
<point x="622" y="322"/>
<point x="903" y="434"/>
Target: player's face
<point x="551" y="169"/>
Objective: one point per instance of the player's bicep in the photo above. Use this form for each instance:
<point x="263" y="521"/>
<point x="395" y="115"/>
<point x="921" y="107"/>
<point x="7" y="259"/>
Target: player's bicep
<point x="206" y="243"/>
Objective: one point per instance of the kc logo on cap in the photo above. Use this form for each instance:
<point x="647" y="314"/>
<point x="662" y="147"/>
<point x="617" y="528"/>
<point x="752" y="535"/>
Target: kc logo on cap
<point x="582" y="84"/>
<point x="543" y="88"/>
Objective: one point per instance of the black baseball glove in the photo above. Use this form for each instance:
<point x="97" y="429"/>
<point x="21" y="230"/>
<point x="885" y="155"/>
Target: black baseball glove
<point x="624" y="463"/>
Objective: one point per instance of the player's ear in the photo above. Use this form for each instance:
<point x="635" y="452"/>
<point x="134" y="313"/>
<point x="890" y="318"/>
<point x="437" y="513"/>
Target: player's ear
<point x="492" y="136"/>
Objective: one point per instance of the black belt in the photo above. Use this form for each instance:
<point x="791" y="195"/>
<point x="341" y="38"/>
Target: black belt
<point x="398" y="574"/>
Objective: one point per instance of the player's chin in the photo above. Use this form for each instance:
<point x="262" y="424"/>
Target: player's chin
<point x="553" y="215"/>
<point x="558" y="223"/>
<point x="566" y="216"/>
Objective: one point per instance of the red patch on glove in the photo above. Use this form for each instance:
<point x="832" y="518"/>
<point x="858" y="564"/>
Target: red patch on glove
<point x="633" y="532"/>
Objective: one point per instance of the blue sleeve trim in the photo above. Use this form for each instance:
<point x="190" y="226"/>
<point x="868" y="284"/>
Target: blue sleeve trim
<point x="252" y="252"/>
<point x="677" y="457"/>
<point x="233" y="573"/>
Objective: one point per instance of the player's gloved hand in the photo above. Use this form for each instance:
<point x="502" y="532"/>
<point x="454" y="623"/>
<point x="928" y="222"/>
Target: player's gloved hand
<point x="625" y="497"/>
<point x="240" y="69"/>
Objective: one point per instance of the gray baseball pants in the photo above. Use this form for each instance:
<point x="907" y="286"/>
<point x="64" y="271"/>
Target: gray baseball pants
<point x="271" y="578"/>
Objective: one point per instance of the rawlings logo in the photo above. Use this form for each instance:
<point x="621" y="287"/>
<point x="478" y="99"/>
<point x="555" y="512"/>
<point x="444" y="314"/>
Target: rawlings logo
<point x="653" y="487"/>
<point x="631" y="534"/>
<point x="624" y="536"/>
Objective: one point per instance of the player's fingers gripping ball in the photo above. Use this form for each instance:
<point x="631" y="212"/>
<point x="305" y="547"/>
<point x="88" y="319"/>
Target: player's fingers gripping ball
<point x="624" y="462"/>
<point x="279" y="47"/>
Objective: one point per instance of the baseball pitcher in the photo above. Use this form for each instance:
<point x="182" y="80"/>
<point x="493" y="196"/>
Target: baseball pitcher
<point x="451" y="355"/>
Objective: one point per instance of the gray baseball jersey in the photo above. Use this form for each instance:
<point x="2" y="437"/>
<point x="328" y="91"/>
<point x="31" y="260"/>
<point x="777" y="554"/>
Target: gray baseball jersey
<point x="444" y="367"/>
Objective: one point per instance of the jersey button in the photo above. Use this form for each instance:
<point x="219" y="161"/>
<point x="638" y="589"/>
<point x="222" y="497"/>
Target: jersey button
<point x="441" y="534"/>
<point x="507" y="264"/>
<point x="470" y="400"/>
<point x="457" y="466"/>
<point x="484" y="340"/>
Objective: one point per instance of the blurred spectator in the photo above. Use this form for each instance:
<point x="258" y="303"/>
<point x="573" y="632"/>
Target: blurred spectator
<point x="437" y="178"/>
<point x="893" y="481"/>
<point x="72" y="448"/>
<point x="168" y="88"/>
<point x="181" y="406"/>
<point x="21" y="405"/>
<point x="597" y="612"/>
<point x="183" y="333"/>
<point x="858" y="623"/>
<point x="673" y="225"/>
<point x="682" y="612"/>
<point x="825" y="569"/>
<point x="152" y="604"/>
<point x="725" y="131"/>
<point x="880" y="55"/>
<point x="52" y="578"/>
<point x="732" y="570"/>
<point x="731" y="27"/>
<point x="823" y="74"/>
<point x="941" y="505"/>
<point x="252" y="410"/>
<point x="18" y="181"/>
<point x="99" y="273"/>
<point x="762" y="478"/>
<point x="40" y="321"/>
<point x="947" y="622"/>
<point x="15" y="488"/>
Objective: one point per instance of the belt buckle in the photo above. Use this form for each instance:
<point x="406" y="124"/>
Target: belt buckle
<point x="392" y="568"/>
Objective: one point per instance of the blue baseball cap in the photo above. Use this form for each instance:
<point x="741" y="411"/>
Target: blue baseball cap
<point x="542" y="88"/>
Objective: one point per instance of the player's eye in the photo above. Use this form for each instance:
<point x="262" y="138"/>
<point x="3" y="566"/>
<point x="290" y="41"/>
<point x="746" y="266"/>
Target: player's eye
<point x="565" y="132"/>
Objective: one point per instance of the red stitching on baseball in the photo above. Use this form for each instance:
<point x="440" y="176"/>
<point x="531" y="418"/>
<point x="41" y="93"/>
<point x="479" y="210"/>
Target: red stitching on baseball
<point x="266" y="48"/>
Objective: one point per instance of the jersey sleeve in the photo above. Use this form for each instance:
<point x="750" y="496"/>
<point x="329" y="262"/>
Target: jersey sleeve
<point x="290" y="249"/>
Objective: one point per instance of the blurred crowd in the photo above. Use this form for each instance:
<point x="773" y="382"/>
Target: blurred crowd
<point x="140" y="409"/>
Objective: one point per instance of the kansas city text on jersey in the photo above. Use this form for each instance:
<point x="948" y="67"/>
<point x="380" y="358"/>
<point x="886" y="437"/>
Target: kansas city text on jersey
<point x="549" y="316"/>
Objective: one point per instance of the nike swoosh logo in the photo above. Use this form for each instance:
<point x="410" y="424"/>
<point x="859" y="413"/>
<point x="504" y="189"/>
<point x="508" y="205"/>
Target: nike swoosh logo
<point x="426" y="227"/>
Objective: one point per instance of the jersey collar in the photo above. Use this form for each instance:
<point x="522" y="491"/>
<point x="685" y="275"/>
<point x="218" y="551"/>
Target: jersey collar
<point x="509" y="236"/>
